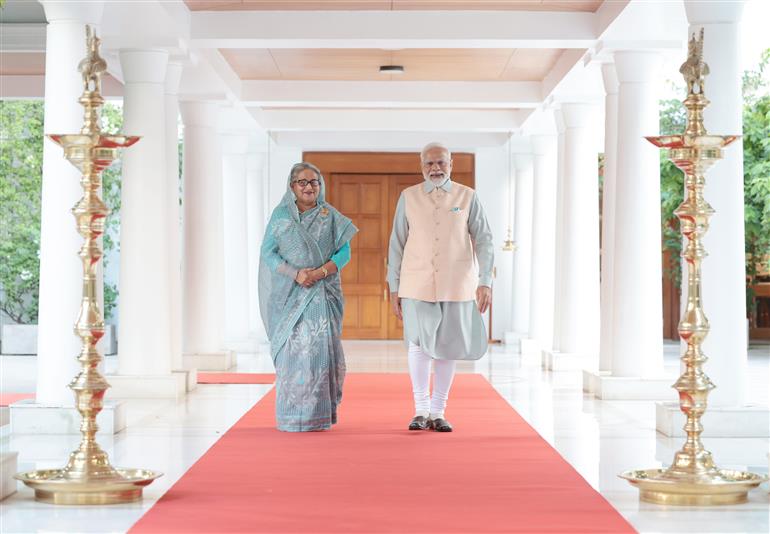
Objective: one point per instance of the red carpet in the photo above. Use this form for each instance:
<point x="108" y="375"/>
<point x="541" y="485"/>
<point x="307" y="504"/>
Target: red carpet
<point x="370" y="474"/>
<point x="6" y="399"/>
<point x="236" y="378"/>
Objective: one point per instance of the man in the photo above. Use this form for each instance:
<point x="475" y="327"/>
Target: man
<point x="436" y="288"/>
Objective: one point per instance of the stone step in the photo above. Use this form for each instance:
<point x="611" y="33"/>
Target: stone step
<point x="8" y="468"/>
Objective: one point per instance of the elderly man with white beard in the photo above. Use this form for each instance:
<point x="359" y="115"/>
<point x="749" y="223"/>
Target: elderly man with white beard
<point x="440" y="273"/>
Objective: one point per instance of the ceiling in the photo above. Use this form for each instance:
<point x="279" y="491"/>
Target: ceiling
<point x="307" y="71"/>
<point x="588" y="6"/>
<point x="426" y="64"/>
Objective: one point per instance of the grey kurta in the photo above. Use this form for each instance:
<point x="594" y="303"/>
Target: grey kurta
<point x="445" y="330"/>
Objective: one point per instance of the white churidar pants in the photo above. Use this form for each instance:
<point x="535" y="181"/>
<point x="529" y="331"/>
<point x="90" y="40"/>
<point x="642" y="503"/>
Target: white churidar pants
<point x="419" y="371"/>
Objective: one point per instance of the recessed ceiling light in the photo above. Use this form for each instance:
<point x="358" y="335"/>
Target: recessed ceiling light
<point x="391" y="69"/>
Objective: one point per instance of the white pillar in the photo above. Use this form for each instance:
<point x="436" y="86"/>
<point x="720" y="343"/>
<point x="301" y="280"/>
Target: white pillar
<point x="255" y="181"/>
<point x="724" y="270"/>
<point x="631" y="352"/>
<point x="203" y="264"/>
<point x="637" y="341"/>
<point x="507" y="263"/>
<point x="543" y="240"/>
<point x="610" y="80"/>
<point x="553" y="346"/>
<point x="522" y="259"/>
<point x="579" y="307"/>
<point x="236" y="245"/>
<point x="173" y="220"/>
<point x="60" y="267"/>
<point x="144" y="349"/>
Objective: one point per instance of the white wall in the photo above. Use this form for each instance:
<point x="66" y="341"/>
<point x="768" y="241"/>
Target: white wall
<point x="493" y="192"/>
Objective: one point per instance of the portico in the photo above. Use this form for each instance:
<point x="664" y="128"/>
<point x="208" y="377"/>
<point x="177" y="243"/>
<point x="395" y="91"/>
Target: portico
<point x="528" y="94"/>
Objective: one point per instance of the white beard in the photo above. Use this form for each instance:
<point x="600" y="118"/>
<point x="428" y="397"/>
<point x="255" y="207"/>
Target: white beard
<point x="438" y="181"/>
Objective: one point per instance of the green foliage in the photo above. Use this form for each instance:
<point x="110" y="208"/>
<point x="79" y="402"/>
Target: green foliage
<point x="672" y="121"/>
<point x="756" y="180"/>
<point x="756" y="177"/>
<point x="21" y="168"/>
<point x="112" y="123"/>
<point x="21" y="165"/>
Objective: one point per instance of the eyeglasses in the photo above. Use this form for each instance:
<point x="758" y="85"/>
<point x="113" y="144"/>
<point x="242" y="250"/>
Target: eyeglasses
<point x="440" y="163"/>
<point x="303" y="183"/>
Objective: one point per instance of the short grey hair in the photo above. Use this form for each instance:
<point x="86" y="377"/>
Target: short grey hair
<point x="431" y="146"/>
<point x="301" y="166"/>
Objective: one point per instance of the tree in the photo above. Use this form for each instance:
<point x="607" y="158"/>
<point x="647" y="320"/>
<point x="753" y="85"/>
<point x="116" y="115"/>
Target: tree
<point x="756" y="177"/>
<point x="21" y="168"/>
<point x="756" y="181"/>
<point x="673" y="119"/>
<point x="21" y="165"/>
<point x="112" y="123"/>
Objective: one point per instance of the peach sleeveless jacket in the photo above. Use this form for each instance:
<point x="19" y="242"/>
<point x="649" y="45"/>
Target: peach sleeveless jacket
<point x="438" y="263"/>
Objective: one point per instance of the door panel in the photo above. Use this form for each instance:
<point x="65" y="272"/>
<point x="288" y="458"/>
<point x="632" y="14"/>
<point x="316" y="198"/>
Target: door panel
<point x="370" y="233"/>
<point x="364" y="198"/>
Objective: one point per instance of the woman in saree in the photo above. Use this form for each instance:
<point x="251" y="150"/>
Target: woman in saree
<point x="306" y="244"/>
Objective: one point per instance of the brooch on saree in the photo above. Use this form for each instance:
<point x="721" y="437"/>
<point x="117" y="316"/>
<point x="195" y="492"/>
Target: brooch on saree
<point x="324" y="212"/>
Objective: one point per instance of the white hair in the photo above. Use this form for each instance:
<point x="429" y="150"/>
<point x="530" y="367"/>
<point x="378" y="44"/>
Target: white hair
<point x="431" y="146"/>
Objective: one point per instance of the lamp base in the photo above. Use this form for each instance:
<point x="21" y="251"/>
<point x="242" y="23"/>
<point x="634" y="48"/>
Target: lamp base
<point x="725" y="486"/>
<point x="51" y="486"/>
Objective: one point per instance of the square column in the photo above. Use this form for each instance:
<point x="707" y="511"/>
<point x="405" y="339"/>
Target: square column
<point x="144" y="348"/>
<point x="723" y="272"/>
<point x="610" y="79"/>
<point x="174" y="223"/>
<point x="8" y="467"/>
<point x="522" y="259"/>
<point x="60" y="268"/>
<point x="543" y="245"/>
<point x="255" y="212"/>
<point x="633" y="259"/>
<point x="203" y="269"/>
<point x="577" y="294"/>
<point x="236" y="245"/>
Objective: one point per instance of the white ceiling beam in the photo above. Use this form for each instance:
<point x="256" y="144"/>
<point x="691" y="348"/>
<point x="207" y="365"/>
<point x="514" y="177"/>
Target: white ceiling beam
<point x="393" y="29"/>
<point x="566" y="62"/>
<point x="646" y="21"/>
<point x="222" y="70"/>
<point x="149" y="23"/>
<point x="607" y="13"/>
<point x="403" y="141"/>
<point x="300" y="94"/>
<point x="363" y="120"/>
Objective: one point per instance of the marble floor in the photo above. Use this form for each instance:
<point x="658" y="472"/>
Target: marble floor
<point x="599" y="438"/>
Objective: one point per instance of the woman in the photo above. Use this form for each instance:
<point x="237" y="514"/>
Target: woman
<point x="306" y="244"/>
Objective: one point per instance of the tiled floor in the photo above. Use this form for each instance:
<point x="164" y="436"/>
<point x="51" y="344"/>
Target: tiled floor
<point x="599" y="438"/>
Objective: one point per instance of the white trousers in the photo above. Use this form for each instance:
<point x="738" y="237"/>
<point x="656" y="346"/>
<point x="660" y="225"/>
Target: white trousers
<point x="419" y="370"/>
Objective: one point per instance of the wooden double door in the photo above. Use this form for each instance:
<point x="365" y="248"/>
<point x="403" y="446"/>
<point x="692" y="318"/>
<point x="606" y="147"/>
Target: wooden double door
<point x="366" y="188"/>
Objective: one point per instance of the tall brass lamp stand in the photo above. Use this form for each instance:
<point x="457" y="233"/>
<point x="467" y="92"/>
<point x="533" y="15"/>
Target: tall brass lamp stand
<point x="693" y="478"/>
<point x="88" y="477"/>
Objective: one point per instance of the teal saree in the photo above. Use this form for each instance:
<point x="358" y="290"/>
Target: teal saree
<point x="304" y="324"/>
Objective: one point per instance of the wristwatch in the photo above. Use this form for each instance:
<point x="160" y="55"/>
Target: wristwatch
<point x="326" y="273"/>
